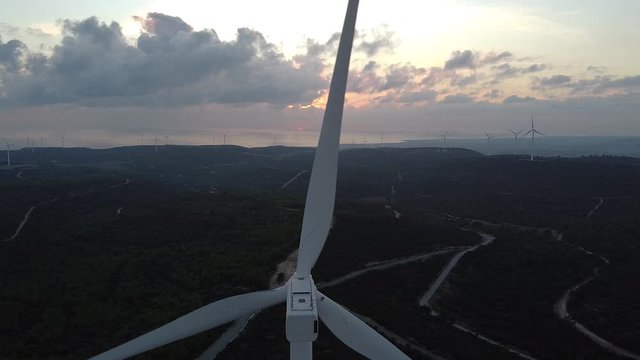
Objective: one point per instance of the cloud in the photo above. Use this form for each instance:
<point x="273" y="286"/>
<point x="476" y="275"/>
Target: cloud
<point x="382" y="40"/>
<point x="170" y="65"/>
<point x="596" y="85"/>
<point x="11" y="54"/>
<point x="597" y="69"/>
<point x="493" y="58"/>
<point x="534" y="68"/>
<point x="397" y="76"/>
<point x="460" y="60"/>
<point x="163" y="25"/>
<point x="469" y="59"/>
<point x="457" y="99"/>
<point x="373" y="78"/>
<point x="553" y="81"/>
<point x="515" y="99"/>
<point x="462" y="81"/>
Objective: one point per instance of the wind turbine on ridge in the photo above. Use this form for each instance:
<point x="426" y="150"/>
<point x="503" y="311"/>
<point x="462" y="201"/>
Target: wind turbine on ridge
<point x="444" y="141"/>
<point x="516" y="134"/>
<point x="489" y="138"/>
<point x="305" y="304"/>
<point x="533" y="131"/>
<point x="8" y="152"/>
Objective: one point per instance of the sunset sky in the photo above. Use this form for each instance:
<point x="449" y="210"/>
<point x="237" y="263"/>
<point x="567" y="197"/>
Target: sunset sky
<point x="100" y="73"/>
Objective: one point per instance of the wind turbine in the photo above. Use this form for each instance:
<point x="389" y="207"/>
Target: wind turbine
<point x="166" y="139"/>
<point x="444" y="141"/>
<point x="62" y="141"/>
<point x="533" y="131"/>
<point x="224" y="139"/>
<point x="8" y="152"/>
<point x="489" y="138"/>
<point x="381" y="140"/>
<point x="516" y="134"/>
<point x="305" y="304"/>
<point x="156" y="143"/>
<point x="141" y="139"/>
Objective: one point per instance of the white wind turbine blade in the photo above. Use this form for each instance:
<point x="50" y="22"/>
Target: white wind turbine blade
<point x="528" y="132"/>
<point x="538" y="132"/>
<point x="318" y="211"/>
<point x="355" y="333"/>
<point x="203" y="319"/>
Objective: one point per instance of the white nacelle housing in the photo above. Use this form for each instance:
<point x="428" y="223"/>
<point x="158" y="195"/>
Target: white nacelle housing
<point x="302" y="314"/>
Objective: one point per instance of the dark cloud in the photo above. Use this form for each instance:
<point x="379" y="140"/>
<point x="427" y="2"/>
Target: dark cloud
<point x="462" y="81"/>
<point x="367" y="79"/>
<point x="469" y="59"/>
<point x="382" y="40"/>
<point x="493" y="58"/>
<point x="534" y="68"/>
<point x="597" y="85"/>
<point x="11" y="54"/>
<point x="316" y="53"/>
<point x="554" y="81"/>
<point x="457" y="99"/>
<point x="376" y="78"/>
<point x="506" y="71"/>
<point x="461" y="60"/>
<point x="170" y="65"/>
<point x="628" y="82"/>
<point x="397" y="76"/>
<point x="515" y="99"/>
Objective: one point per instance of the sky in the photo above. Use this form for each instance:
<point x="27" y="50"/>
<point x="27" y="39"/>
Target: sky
<point x="101" y="73"/>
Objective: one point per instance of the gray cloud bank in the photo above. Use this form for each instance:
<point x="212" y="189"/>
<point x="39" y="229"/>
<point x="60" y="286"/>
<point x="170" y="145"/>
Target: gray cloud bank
<point x="170" y="64"/>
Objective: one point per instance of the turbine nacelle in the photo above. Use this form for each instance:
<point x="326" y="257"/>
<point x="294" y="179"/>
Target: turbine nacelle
<point x="302" y="313"/>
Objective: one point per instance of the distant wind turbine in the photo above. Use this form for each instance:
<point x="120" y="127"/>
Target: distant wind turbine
<point x="381" y="140"/>
<point x="489" y="138"/>
<point x="166" y="140"/>
<point x="444" y="141"/>
<point x="305" y="304"/>
<point x="224" y="139"/>
<point x="8" y="152"/>
<point x="141" y="139"/>
<point x="62" y="140"/>
<point x="533" y="131"/>
<point x="156" y="143"/>
<point x="515" y="144"/>
<point x="213" y="140"/>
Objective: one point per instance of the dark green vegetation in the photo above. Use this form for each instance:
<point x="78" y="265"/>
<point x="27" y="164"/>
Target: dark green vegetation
<point x="137" y="238"/>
